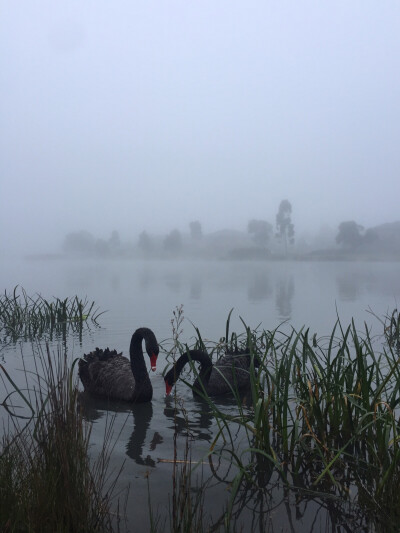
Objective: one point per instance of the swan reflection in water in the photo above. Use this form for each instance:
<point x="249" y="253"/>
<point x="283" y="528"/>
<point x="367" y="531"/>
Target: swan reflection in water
<point x="230" y="373"/>
<point x="196" y="425"/>
<point x="96" y="408"/>
<point x="195" y="417"/>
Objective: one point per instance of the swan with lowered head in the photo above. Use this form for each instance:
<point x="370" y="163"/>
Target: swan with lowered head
<point x="108" y="374"/>
<point x="231" y="372"/>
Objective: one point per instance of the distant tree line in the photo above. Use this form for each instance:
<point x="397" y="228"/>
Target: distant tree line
<point x="351" y="235"/>
<point x="84" y="243"/>
<point x="172" y="242"/>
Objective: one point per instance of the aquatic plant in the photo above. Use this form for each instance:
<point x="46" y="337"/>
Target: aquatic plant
<point x="47" y="481"/>
<point x="187" y="503"/>
<point x="29" y="317"/>
<point x="392" y="329"/>
<point x="323" y="417"/>
<point x="186" y="506"/>
<point x="328" y="410"/>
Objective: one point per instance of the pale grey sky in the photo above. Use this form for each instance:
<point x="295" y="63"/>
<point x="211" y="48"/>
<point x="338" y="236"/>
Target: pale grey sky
<point x="135" y="115"/>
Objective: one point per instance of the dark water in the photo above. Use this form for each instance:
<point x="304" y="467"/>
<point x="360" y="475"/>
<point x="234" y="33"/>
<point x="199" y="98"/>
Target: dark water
<point x="145" y="294"/>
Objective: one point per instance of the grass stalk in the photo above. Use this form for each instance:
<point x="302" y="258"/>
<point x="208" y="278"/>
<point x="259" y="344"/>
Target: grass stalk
<point x="47" y="481"/>
<point x="27" y="317"/>
<point x="327" y="409"/>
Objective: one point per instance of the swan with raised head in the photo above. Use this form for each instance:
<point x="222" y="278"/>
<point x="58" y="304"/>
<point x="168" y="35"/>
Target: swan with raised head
<point x="108" y="374"/>
<point x="231" y="372"/>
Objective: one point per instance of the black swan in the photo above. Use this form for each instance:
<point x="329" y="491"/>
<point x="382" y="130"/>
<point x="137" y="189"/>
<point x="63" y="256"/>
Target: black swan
<point x="231" y="372"/>
<point x="107" y="373"/>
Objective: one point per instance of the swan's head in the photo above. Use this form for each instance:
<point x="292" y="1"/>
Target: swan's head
<point x="151" y="343"/>
<point x="152" y="348"/>
<point x="152" y="351"/>
<point x="169" y="383"/>
<point x="153" y="360"/>
<point x="170" y="378"/>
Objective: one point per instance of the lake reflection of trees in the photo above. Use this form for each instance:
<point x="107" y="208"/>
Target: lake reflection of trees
<point x="146" y="278"/>
<point x="348" y="285"/>
<point x="173" y="280"/>
<point x="259" y="288"/>
<point x="284" y="296"/>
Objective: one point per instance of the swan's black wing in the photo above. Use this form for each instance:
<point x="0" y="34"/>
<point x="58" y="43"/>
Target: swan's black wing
<point x="231" y="372"/>
<point x="108" y="374"/>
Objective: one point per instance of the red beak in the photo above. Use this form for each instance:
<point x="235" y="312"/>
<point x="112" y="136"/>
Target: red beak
<point x="153" y="361"/>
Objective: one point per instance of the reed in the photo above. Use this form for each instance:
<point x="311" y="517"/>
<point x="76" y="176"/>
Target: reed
<point x="392" y="331"/>
<point x="47" y="481"/>
<point x="187" y="511"/>
<point x="324" y="415"/>
<point x="391" y="328"/>
<point x="29" y="317"/>
<point x="187" y="505"/>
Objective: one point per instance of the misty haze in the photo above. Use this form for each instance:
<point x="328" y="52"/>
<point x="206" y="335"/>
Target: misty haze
<point x="227" y="175"/>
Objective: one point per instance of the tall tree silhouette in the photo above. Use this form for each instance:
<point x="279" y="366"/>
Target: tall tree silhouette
<point x="284" y="224"/>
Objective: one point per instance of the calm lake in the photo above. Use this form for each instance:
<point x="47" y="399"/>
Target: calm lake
<point x="146" y="293"/>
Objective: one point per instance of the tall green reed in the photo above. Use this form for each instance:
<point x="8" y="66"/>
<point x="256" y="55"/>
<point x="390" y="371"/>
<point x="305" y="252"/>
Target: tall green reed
<point x="47" y="481"/>
<point x="324" y="413"/>
<point x="187" y="503"/>
<point x="31" y="317"/>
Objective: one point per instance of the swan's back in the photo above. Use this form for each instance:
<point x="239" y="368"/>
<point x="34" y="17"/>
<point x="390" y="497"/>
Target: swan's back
<point x="108" y="374"/>
<point x="230" y="372"/>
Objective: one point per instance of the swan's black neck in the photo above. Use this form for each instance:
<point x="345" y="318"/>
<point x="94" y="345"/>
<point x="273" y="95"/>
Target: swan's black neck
<point x="193" y="355"/>
<point x="139" y="369"/>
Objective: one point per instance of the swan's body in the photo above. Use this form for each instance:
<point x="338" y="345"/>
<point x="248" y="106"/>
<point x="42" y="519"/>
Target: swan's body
<point x="108" y="374"/>
<point x="231" y="372"/>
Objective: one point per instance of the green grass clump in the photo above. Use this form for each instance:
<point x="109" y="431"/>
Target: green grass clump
<point x="324" y="418"/>
<point x="47" y="481"/>
<point x="326" y="415"/>
<point x="392" y="330"/>
<point x="31" y="317"/>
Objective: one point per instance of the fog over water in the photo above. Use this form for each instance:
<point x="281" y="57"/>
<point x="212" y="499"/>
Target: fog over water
<point x="138" y="129"/>
<point x="146" y="115"/>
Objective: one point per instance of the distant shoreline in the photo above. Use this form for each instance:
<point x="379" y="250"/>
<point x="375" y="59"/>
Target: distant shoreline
<point x="320" y="256"/>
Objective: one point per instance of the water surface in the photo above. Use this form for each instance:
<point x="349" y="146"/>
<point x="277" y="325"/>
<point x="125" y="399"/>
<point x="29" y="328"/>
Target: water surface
<point x="146" y="294"/>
